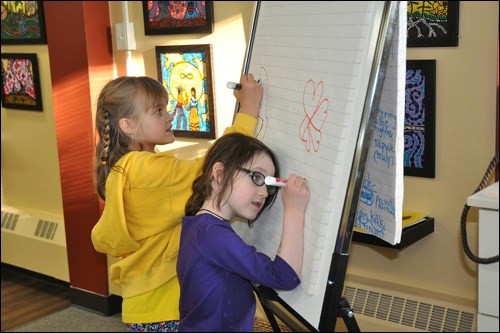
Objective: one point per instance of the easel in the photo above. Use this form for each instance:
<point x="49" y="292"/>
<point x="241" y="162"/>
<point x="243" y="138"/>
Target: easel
<point x="334" y="305"/>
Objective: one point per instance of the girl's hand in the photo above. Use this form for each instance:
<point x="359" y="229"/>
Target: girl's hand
<point x="295" y="196"/>
<point x="296" y="193"/>
<point x="250" y="95"/>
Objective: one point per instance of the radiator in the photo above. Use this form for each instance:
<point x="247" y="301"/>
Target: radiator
<point x="384" y="310"/>
<point x="34" y="241"/>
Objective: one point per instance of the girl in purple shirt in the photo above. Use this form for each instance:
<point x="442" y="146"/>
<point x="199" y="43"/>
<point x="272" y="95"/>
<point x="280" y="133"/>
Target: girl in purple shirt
<point x="215" y="266"/>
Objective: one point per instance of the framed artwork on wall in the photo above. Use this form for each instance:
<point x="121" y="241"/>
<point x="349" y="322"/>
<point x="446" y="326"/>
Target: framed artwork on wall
<point x="432" y="23"/>
<point x="23" y="23"/>
<point x="186" y="73"/>
<point x="21" y="82"/>
<point x="419" y="124"/>
<point x="177" y="17"/>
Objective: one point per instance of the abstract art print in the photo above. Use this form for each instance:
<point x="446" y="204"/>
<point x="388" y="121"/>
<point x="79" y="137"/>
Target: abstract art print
<point x="432" y="23"/>
<point x="23" y="23"/>
<point x="186" y="73"/>
<point x="419" y="125"/>
<point x="177" y="17"/>
<point x="21" y="82"/>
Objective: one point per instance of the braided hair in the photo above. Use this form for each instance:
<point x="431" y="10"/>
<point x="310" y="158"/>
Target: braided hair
<point x="125" y="97"/>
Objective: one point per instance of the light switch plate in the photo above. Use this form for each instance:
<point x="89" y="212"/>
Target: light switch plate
<point x="125" y="38"/>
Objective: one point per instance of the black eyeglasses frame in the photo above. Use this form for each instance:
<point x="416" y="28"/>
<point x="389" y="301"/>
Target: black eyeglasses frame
<point x="271" y="190"/>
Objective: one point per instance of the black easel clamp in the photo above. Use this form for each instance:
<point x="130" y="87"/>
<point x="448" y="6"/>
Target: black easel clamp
<point x="346" y="313"/>
<point x="265" y="294"/>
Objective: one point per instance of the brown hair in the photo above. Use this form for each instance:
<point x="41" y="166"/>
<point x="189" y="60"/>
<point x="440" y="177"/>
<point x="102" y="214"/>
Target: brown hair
<point x="233" y="150"/>
<point x="125" y="97"/>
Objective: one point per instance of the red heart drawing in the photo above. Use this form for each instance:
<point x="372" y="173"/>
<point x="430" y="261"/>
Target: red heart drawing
<point x="316" y="110"/>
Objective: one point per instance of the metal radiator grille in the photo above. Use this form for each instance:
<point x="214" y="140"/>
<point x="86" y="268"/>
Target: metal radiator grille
<point x="408" y="312"/>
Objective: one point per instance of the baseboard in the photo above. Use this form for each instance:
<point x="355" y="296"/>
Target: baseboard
<point x="104" y="305"/>
<point x="35" y="275"/>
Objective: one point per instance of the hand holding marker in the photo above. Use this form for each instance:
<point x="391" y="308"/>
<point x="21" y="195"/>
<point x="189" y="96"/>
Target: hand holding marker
<point x="235" y="86"/>
<point x="269" y="181"/>
<point x="273" y="181"/>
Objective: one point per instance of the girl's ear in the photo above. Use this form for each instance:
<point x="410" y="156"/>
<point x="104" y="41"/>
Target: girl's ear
<point x="126" y="125"/>
<point x="218" y="172"/>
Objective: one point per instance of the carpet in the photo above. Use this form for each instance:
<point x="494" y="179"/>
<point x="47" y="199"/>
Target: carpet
<point x="74" y="319"/>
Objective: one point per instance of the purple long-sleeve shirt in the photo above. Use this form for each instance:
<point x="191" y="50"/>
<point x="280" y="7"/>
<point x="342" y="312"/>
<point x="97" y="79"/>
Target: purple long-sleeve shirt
<point x="216" y="269"/>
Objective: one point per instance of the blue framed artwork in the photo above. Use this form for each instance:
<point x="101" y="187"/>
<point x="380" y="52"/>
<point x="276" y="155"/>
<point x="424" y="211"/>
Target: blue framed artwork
<point x="432" y="23"/>
<point x="186" y="73"/>
<point x="419" y="124"/>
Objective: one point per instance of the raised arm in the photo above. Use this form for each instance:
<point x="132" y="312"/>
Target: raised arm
<point x="249" y="96"/>
<point x="295" y="196"/>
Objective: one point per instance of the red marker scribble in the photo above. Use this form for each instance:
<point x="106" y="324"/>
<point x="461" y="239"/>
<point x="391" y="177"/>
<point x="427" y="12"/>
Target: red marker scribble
<point x="316" y="109"/>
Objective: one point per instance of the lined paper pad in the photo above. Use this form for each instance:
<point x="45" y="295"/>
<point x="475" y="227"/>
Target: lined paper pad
<point x="381" y="198"/>
<point x="314" y="61"/>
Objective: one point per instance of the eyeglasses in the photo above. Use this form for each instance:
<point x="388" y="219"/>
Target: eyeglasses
<point x="259" y="179"/>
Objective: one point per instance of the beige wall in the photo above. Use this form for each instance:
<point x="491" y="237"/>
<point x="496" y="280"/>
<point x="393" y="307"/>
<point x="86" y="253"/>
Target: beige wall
<point x="465" y="139"/>
<point x="465" y="144"/>
<point x="30" y="168"/>
<point x="228" y="42"/>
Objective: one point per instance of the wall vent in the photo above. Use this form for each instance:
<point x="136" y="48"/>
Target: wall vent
<point x="34" y="240"/>
<point x="46" y="229"/>
<point x="411" y="313"/>
<point x="39" y="226"/>
<point x="9" y="220"/>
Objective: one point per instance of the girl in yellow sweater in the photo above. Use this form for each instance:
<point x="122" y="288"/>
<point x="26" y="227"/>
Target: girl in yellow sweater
<point x="145" y="194"/>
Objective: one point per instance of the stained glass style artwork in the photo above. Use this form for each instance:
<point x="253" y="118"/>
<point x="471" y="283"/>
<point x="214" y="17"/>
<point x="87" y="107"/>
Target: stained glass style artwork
<point x="432" y="23"/>
<point x="419" y="126"/>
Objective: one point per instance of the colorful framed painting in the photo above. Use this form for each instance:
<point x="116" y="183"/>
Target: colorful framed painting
<point x="186" y="73"/>
<point x="432" y="23"/>
<point x="177" y="17"/>
<point x="21" y="82"/>
<point x="419" y="125"/>
<point x="23" y="23"/>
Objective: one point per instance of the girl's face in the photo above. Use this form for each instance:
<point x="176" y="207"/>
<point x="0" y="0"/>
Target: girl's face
<point x="155" y="128"/>
<point x="247" y="198"/>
